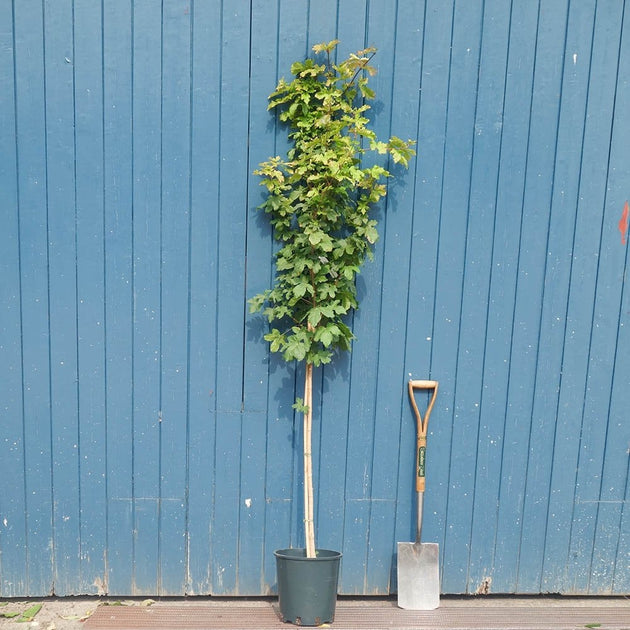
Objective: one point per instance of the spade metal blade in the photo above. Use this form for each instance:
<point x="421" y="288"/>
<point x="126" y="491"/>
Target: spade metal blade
<point x="418" y="576"/>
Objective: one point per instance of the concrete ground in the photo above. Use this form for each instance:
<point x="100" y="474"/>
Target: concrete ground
<point x="460" y="613"/>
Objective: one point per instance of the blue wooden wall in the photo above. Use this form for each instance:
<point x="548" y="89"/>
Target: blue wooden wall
<point x="147" y="440"/>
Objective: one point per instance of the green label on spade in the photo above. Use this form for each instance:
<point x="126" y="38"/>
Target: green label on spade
<point x="421" y="460"/>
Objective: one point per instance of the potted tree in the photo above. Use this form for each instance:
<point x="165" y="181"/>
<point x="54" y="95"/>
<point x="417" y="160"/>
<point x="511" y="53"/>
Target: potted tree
<point x="318" y="202"/>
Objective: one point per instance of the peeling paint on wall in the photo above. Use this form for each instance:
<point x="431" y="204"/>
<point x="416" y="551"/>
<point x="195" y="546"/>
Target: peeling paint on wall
<point x="623" y="223"/>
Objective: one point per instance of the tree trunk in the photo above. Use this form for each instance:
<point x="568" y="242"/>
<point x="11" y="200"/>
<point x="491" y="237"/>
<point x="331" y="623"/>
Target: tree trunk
<point x="309" y="524"/>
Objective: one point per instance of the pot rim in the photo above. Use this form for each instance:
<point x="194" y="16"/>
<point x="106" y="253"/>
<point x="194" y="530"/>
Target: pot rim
<point x="299" y="554"/>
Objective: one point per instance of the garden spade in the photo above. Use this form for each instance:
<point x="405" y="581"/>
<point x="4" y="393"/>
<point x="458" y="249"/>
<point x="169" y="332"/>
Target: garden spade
<point x="418" y="562"/>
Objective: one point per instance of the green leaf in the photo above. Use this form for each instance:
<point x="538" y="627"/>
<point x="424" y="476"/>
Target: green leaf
<point x="297" y="67"/>
<point x="295" y="350"/>
<point x="314" y="316"/>
<point x="276" y="340"/>
<point x="283" y="263"/>
<point x="326" y="337"/>
<point x="349" y="272"/>
<point x="256" y="302"/>
<point x="301" y="289"/>
<point x="371" y="234"/>
<point x="379" y="147"/>
<point x="326" y="243"/>
<point x="321" y="357"/>
<point x="29" y="613"/>
<point x="299" y="406"/>
<point x="327" y="310"/>
<point x="315" y="238"/>
<point x="366" y="92"/>
<point x="325" y="46"/>
<point x="400" y="150"/>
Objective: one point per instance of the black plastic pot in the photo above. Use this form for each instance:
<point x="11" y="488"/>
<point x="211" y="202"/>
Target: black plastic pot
<point x="307" y="587"/>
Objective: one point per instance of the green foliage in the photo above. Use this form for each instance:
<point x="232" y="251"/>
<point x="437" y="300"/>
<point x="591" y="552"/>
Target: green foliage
<point x="28" y="615"/>
<point x="318" y="203"/>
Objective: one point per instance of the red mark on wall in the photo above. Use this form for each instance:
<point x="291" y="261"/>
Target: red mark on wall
<point x="623" y="223"/>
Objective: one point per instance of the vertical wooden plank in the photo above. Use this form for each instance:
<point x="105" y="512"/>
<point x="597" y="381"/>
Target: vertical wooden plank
<point x="540" y="139"/>
<point x="602" y="469"/>
<point x="351" y="33"/>
<point x="438" y="25"/>
<point x="334" y="415"/>
<point x="427" y="172"/>
<point x="88" y="100"/>
<point x="118" y="213"/>
<point x="288" y="379"/>
<point x="205" y="160"/>
<point x="174" y="295"/>
<point x="251" y="529"/>
<point x="282" y="444"/>
<point x="235" y="39"/>
<point x="557" y="573"/>
<point x="147" y="253"/>
<point x="263" y="60"/>
<point x="394" y="400"/>
<point x="596" y="418"/>
<point x="621" y="577"/>
<point x="482" y="216"/>
<point x="609" y="569"/>
<point x="322" y="22"/>
<point x="356" y="394"/>
<point x="506" y="240"/>
<point x="334" y="419"/>
<point x="226" y="505"/>
<point x="66" y="450"/>
<point x="352" y="19"/>
<point x="31" y="154"/>
<point x="255" y="562"/>
<point x="454" y="205"/>
<point x="232" y="202"/>
<point x="610" y="556"/>
<point x="371" y="565"/>
<point x="556" y="285"/>
<point x="396" y="39"/>
<point x="282" y="451"/>
<point x="13" y="552"/>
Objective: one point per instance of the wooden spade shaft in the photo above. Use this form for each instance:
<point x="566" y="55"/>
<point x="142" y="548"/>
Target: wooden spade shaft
<point x="418" y="563"/>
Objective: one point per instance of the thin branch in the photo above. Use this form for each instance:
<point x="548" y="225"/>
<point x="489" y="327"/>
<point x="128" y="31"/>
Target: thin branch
<point x="357" y="72"/>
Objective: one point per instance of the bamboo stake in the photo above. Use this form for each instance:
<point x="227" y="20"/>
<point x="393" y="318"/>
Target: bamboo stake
<point x="309" y="525"/>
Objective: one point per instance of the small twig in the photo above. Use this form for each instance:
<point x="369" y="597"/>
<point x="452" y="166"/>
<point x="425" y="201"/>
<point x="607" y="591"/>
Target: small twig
<point x="359" y="69"/>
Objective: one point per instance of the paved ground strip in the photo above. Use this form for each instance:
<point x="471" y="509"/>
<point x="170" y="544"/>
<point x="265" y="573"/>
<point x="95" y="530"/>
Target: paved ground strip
<point x="502" y="614"/>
